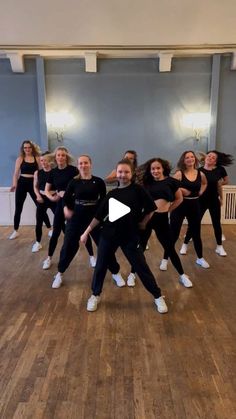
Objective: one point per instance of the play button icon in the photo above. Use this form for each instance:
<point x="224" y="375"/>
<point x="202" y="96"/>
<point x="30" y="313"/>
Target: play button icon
<point x="116" y="209"/>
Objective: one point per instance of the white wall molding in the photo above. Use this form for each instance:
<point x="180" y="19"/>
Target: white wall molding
<point x="90" y="61"/>
<point x="17" y="61"/>
<point x="233" y="61"/>
<point x="165" y="62"/>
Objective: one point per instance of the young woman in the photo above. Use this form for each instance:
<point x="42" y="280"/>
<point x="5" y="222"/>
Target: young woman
<point x="211" y="199"/>
<point x="26" y="164"/>
<point x="166" y="193"/>
<point x="81" y="199"/>
<point x="55" y="187"/>
<point x="41" y="177"/>
<point x="192" y="183"/>
<point x="131" y="155"/>
<point x="123" y="233"/>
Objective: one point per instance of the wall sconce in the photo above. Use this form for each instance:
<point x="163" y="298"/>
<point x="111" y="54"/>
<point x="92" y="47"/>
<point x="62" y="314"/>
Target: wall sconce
<point x="198" y="122"/>
<point x="58" y="122"/>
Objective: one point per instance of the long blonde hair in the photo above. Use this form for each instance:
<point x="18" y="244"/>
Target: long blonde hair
<point x="69" y="158"/>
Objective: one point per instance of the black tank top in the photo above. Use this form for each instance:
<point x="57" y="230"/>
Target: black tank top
<point x="192" y="186"/>
<point x="27" y="168"/>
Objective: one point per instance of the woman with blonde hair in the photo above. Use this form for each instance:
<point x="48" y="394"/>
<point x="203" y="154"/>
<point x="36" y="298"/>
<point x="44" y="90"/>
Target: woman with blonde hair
<point x="55" y="188"/>
<point x="82" y="198"/>
<point x="26" y="164"/>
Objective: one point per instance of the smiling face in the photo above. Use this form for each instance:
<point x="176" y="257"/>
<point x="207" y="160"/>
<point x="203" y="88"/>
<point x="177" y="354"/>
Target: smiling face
<point x="45" y="163"/>
<point x="61" y="158"/>
<point x="211" y="159"/>
<point x="124" y="174"/>
<point x="189" y="159"/>
<point x="84" y="166"/>
<point x="156" y="170"/>
<point x="27" y="149"/>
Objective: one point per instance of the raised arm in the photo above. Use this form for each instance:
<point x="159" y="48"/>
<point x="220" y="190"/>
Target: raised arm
<point x="111" y="177"/>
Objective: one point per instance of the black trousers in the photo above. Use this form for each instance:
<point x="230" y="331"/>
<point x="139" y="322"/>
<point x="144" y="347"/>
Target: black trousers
<point x="133" y="252"/>
<point x="190" y="208"/>
<point x="160" y="224"/>
<point x="24" y="186"/>
<point x="58" y="227"/>
<point x="40" y="215"/>
<point x="74" y="228"/>
<point x="214" y="208"/>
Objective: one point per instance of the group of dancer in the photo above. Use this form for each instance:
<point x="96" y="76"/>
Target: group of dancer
<point x="157" y="201"/>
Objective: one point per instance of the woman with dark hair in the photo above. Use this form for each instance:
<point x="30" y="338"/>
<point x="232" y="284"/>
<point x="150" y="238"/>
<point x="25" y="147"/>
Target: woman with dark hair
<point x="26" y="164"/>
<point x="211" y="199"/>
<point x="81" y="200"/>
<point x="131" y="155"/>
<point x="123" y="233"/>
<point x="166" y="193"/>
<point x="192" y="183"/>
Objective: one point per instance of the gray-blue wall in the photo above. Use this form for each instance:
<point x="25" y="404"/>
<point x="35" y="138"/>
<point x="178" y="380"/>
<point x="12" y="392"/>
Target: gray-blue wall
<point x="127" y="104"/>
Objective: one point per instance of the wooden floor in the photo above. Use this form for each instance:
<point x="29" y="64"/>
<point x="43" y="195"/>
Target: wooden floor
<point x="125" y="360"/>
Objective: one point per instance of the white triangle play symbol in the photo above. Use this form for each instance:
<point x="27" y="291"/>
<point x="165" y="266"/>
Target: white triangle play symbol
<point x="116" y="209"/>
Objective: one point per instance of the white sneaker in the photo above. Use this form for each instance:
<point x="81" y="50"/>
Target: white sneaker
<point x="50" y="233"/>
<point x="220" y="250"/>
<point x="120" y="282"/>
<point x="185" y="281"/>
<point x="131" y="280"/>
<point x="164" y="264"/>
<point x="92" y="303"/>
<point x="161" y="304"/>
<point x="47" y="263"/>
<point x="92" y="261"/>
<point x="184" y="248"/>
<point x="57" y="283"/>
<point x="223" y="238"/>
<point x="203" y="263"/>
<point x="14" y="235"/>
<point x="36" y="247"/>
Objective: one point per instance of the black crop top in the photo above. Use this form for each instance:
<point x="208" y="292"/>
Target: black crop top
<point x="27" y="168"/>
<point x="192" y="186"/>
<point x="163" y="189"/>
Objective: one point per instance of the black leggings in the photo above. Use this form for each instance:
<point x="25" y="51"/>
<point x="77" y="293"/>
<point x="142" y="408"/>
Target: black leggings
<point x="190" y="209"/>
<point x="215" y="213"/>
<point x="135" y="256"/>
<point x="24" y="186"/>
<point x="74" y="228"/>
<point x="160" y="224"/>
<point x="40" y="215"/>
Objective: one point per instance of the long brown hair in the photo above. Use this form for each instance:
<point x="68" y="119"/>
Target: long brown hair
<point x="35" y="148"/>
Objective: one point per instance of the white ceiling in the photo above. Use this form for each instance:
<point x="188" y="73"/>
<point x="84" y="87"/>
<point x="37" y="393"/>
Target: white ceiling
<point x="112" y="28"/>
